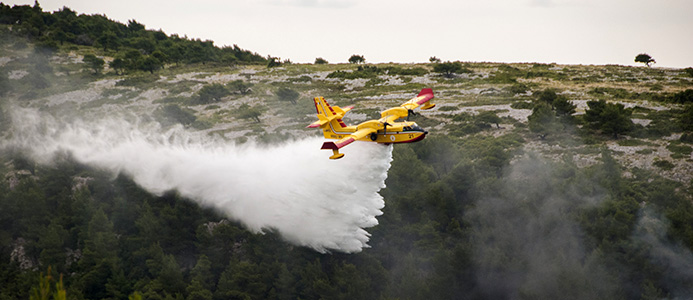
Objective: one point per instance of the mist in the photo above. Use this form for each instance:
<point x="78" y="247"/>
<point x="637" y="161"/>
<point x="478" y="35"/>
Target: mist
<point x="527" y="241"/>
<point x="292" y="188"/>
<point x="674" y="259"/>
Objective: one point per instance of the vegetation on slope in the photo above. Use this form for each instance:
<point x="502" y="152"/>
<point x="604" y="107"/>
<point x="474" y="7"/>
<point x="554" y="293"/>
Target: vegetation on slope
<point x="491" y="205"/>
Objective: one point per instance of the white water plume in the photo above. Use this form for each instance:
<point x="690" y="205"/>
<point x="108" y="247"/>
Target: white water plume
<point x="293" y="187"/>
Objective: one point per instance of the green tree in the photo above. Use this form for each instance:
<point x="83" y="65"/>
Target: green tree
<point x="239" y="86"/>
<point x="685" y="119"/>
<point x="241" y="280"/>
<point x="150" y="64"/>
<point x="99" y="256"/>
<point x="133" y="59"/>
<point x="202" y="273"/>
<point x="60" y="36"/>
<point x="683" y="97"/>
<point x="449" y="69"/>
<point x="245" y="111"/>
<point x="172" y="114"/>
<point x="547" y="96"/>
<point x="109" y="40"/>
<point x="357" y="59"/>
<point x="611" y="118"/>
<point x="543" y="120"/>
<point x="212" y="93"/>
<point x="563" y="106"/>
<point x="286" y="94"/>
<point x="145" y="44"/>
<point x="93" y="63"/>
<point x="434" y="60"/>
<point x="52" y="245"/>
<point x="645" y="59"/>
<point x="273" y="62"/>
<point x="320" y="61"/>
<point x="489" y="117"/>
<point x="45" y="290"/>
<point x="159" y="55"/>
<point x="118" y="65"/>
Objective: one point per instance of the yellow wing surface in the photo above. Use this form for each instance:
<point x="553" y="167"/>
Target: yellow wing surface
<point x="423" y="98"/>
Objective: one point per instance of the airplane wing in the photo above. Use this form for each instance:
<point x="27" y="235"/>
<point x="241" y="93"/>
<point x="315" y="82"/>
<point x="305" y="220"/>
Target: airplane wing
<point x="403" y="110"/>
<point x="422" y="98"/>
<point x="335" y="146"/>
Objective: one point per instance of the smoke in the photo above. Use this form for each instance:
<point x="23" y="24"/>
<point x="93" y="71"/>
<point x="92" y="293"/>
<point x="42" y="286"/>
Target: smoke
<point x="293" y="187"/>
<point x="527" y="241"/>
<point x="675" y="260"/>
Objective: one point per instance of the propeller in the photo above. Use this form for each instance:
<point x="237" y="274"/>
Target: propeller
<point x="410" y="113"/>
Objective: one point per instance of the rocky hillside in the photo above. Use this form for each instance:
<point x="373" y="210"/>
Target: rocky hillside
<point x="238" y="102"/>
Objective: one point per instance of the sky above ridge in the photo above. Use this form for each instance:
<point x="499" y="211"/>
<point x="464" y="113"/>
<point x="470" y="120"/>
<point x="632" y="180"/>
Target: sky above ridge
<point x="588" y="32"/>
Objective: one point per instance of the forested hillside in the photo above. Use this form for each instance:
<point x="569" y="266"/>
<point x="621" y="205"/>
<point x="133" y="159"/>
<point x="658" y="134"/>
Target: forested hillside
<point x="131" y="45"/>
<point x="536" y="181"/>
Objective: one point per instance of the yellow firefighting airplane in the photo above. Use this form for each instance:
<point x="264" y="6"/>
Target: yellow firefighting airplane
<point x="384" y="130"/>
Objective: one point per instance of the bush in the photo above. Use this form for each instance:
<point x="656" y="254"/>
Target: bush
<point x="663" y="164"/>
<point x="611" y="118"/>
<point x="683" y="97"/>
<point x="449" y="69"/>
<point x="678" y="150"/>
<point x="689" y="71"/>
<point x="686" y="138"/>
<point x="357" y="59"/>
<point x="286" y="94"/>
<point x="517" y="88"/>
<point x="618" y="93"/>
<point x="522" y="105"/>
<point x="172" y="114"/>
<point x="211" y="93"/>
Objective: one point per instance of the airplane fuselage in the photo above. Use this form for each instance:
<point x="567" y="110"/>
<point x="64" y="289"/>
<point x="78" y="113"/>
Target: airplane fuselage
<point x="398" y="132"/>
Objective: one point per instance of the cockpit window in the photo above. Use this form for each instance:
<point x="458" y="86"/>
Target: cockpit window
<point x="413" y="127"/>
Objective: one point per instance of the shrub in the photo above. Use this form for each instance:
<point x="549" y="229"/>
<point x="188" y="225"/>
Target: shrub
<point x="686" y="138"/>
<point x="211" y="93"/>
<point x="663" y="164"/>
<point x="517" y="88"/>
<point x="449" y="69"/>
<point x="172" y="114"/>
<point x="678" y="150"/>
<point x="357" y="59"/>
<point x="611" y="118"/>
<point x="522" y="105"/>
<point x="286" y="94"/>
<point x="683" y="97"/>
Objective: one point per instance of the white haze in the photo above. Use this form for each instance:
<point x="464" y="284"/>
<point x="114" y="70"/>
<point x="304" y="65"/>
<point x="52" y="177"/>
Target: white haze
<point x="293" y="187"/>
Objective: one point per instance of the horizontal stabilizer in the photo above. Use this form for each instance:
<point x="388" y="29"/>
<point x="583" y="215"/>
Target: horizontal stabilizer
<point x="317" y="123"/>
<point x="339" y="144"/>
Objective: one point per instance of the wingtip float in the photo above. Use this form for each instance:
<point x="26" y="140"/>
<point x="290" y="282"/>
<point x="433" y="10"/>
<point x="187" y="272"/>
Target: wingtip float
<point x="383" y="131"/>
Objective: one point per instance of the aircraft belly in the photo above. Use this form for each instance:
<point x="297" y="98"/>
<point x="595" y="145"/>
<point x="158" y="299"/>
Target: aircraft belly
<point x="399" y="137"/>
